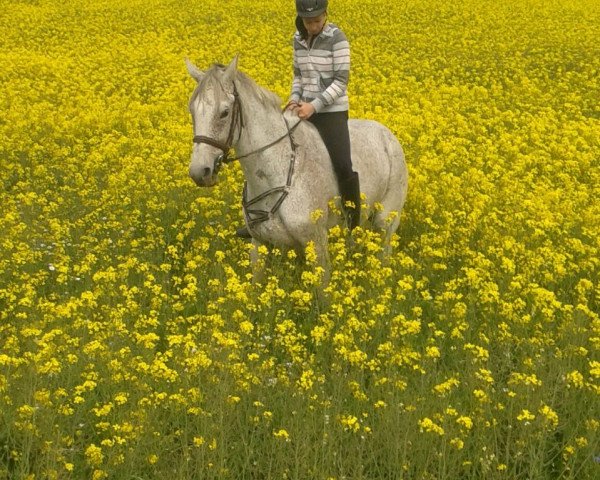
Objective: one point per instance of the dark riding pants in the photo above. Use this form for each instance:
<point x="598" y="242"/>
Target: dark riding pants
<point x="333" y="128"/>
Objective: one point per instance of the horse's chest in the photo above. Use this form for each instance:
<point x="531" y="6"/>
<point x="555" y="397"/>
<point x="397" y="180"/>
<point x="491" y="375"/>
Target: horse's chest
<point x="273" y="231"/>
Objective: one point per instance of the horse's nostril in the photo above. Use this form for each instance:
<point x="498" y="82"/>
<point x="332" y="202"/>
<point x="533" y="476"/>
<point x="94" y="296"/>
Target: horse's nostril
<point x="201" y="175"/>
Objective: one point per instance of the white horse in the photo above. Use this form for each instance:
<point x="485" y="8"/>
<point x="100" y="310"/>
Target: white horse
<point x="286" y="166"/>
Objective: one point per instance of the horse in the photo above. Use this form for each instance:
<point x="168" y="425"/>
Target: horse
<point x="289" y="178"/>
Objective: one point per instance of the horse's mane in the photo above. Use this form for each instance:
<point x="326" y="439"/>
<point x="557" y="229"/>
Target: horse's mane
<point x="244" y="82"/>
<point x="265" y="96"/>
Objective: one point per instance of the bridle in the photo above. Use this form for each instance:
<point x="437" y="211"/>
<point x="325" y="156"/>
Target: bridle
<point x="237" y="120"/>
<point x="253" y="216"/>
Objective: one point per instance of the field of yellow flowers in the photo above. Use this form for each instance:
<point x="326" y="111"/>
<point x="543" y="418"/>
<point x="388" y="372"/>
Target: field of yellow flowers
<point x="133" y="342"/>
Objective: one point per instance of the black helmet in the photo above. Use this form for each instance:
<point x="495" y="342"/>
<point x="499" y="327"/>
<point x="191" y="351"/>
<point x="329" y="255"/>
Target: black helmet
<point x="310" y="8"/>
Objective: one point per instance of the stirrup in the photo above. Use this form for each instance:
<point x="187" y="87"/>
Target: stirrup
<point x="243" y="232"/>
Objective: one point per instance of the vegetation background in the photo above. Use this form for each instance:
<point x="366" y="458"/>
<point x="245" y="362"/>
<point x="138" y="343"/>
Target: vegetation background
<point x="133" y="343"/>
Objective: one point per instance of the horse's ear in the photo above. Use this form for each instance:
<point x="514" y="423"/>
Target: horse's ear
<point x="231" y="69"/>
<point x="194" y="71"/>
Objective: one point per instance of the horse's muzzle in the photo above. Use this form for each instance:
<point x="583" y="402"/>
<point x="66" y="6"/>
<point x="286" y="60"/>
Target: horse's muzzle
<point x="203" y="176"/>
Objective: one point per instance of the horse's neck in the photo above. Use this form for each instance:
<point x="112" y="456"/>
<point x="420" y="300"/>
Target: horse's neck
<point x="267" y="168"/>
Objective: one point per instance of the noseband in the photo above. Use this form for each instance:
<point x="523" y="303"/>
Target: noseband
<point x="236" y="119"/>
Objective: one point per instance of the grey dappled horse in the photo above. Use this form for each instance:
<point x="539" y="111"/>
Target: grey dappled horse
<point x="286" y="166"/>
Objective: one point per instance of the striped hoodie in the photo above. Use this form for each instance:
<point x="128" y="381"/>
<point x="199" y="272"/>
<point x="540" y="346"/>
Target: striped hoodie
<point x="321" y="71"/>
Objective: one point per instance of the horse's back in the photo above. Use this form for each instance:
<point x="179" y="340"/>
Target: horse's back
<point x="379" y="159"/>
<point x="369" y="137"/>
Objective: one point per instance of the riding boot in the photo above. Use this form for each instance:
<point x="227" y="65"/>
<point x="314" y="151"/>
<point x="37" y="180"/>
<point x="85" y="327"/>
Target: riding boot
<point x="350" y="192"/>
<point x="243" y="232"/>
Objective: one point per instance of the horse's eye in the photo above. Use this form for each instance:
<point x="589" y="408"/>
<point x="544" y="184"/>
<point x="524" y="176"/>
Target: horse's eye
<point x="224" y="113"/>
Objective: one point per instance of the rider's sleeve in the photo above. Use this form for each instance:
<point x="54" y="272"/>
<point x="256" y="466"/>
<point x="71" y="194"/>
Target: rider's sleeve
<point x="341" y="73"/>
<point x="297" y="82"/>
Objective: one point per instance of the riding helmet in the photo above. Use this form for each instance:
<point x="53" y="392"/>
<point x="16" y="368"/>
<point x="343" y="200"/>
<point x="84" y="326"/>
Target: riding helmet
<point x="310" y="8"/>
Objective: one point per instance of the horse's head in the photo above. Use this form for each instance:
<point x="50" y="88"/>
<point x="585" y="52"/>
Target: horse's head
<point x="216" y="118"/>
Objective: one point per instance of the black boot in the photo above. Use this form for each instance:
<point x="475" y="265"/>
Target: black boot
<point x="243" y="232"/>
<point x="350" y="192"/>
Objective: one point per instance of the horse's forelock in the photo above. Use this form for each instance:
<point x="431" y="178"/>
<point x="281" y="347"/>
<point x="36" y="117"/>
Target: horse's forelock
<point x="209" y="81"/>
<point x="213" y="78"/>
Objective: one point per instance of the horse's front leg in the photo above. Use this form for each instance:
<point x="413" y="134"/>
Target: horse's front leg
<point x="257" y="262"/>
<point x="317" y="253"/>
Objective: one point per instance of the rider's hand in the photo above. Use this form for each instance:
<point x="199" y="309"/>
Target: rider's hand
<point x="305" y="110"/>
<point x="291" y="105"/>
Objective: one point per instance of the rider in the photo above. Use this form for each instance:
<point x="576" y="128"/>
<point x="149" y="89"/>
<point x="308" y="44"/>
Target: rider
<point x="319" y="95"/>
